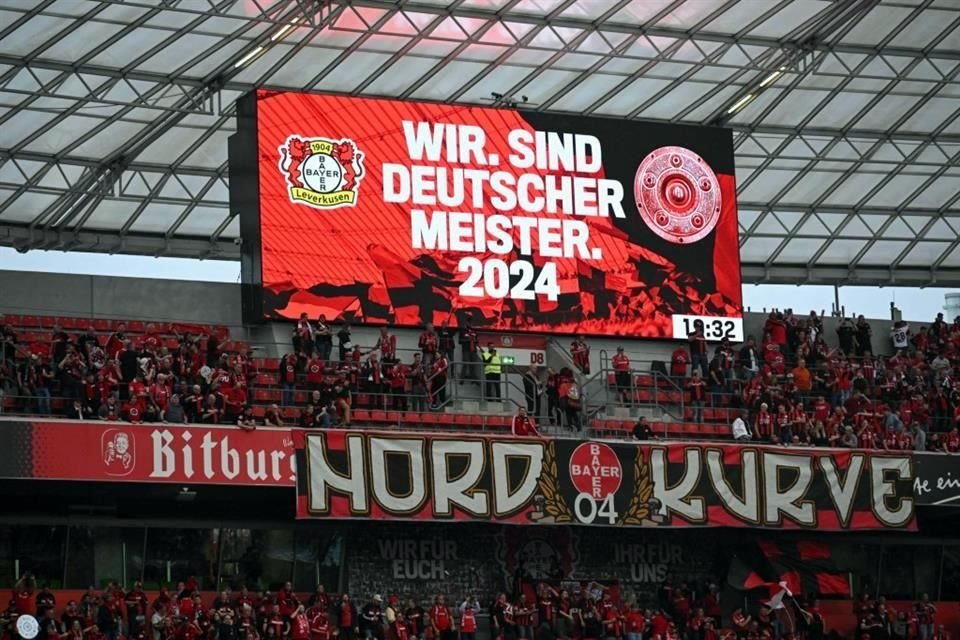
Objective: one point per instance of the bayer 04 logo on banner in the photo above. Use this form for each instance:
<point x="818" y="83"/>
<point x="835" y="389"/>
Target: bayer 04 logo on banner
<point x="715" y="328"/>
<point x="596" y="474"/>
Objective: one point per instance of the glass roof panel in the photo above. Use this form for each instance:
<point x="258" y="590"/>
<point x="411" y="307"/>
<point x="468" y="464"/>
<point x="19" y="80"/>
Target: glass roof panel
<point x="826" y="144"/>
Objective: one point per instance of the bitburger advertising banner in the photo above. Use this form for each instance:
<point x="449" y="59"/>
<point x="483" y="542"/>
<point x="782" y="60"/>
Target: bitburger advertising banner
<point x="124" y="452"/>
<point x="406" y="213"/>
<point x="464" y="478"/>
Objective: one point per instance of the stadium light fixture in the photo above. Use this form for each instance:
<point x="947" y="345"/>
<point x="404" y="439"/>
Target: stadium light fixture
<point x="250" y="57"/>
<point x="770" y="79"/>
<point x="741" y="103"/>
<point x="257" y="51"/>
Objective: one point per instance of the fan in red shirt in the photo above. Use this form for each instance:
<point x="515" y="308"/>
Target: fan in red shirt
<point x="428" y="344"/>
<point x="821" y="409"/>
<point x="612" y="622"/>
<point x="397" y="379"/>
<point x="635" y="622"/>
<point x="315" y="369"/>
<point x="23" y="600"/>
<point x="774" y="358"/>
<point x="441" y="620"/>
<point x="299" y="624"/>
<point x="951" y="442"/>
<point x="399" y="627"/>
<point x="387" y="345"/>
<point x="160" y="391"/>
<point x="523" y="425"/>
<point x="580" y="351"/>
<point x="763" y="423"/>
<point x="890" y="441"/>
<point x="468" y="621"/>
<point x="151" y="339"/>
<point x="287" y="600"/>
<point x="678" y="363"/>
<point x="866" y="437"/>
<point x="621" y="372"/>
<point x="319" y="624"/>
<point x="438" y="380"/>
<point x="905" y="441"/>
<point x="776" y="327"/>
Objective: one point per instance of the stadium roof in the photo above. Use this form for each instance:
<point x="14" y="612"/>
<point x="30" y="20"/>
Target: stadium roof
<point x="114" y="115"/>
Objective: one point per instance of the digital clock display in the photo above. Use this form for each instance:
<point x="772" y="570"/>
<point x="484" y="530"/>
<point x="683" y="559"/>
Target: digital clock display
<point x="714" y="329"/>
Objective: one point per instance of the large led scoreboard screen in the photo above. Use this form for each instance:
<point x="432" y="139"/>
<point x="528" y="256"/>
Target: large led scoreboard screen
<point x="404" y="213"/>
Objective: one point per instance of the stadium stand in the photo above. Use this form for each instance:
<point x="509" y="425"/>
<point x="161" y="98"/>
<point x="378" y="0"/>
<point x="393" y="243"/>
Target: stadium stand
<point x="797" y="388"/>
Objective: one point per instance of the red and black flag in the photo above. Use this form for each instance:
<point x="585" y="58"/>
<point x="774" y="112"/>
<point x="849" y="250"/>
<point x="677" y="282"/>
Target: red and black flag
<point x="804" y="567"/>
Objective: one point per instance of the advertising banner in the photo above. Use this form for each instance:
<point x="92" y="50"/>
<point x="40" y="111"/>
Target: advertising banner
<point x="406" y="213"/>
<point x="122" y="452"/>
<point x="430" y="559"/>
<point x="431" y="477"/>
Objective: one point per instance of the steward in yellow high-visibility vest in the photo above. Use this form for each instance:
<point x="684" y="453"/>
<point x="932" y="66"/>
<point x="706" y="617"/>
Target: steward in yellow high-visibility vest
<point x="491" y="373"/>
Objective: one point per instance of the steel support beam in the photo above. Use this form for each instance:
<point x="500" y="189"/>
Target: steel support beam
<point x="758" y="273"/>
<point x="25" y="239"/>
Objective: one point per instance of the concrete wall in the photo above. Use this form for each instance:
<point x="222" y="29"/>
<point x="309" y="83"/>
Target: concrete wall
<point x="23" y="292"/>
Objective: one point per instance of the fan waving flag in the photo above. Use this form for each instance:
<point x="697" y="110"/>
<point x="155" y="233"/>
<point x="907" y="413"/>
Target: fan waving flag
<point x="801" y="567"/>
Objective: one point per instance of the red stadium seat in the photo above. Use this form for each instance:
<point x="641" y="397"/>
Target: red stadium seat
<point x="360" y="415"/>
<point x="392" y="417"/>
<point x="499" y="422"/>
<point x="378" y="416"/>
<point x="429" y="418"/>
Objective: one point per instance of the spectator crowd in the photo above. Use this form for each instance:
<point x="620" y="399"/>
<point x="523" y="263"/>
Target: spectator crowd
<point x="790" y="388"/>
<point x="538" y="611"/>
<point x="793" y="388"/>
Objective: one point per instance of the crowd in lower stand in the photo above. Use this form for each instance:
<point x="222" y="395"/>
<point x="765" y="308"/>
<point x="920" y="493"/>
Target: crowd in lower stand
<point x="540" y="612"/>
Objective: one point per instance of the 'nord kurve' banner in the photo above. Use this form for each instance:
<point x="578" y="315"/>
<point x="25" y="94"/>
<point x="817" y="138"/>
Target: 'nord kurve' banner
<point x="432" y="477"/>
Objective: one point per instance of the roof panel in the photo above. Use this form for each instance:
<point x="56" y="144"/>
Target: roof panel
<point x="896" y="189"/>
<point x="157" y="218"/>
<point x="924" y="28"/>
<point x="449" y="79"/>
<point x="925" y="253"/>
<point x="799" y="250"/>
<point x="883" y="251"/>
<point x="937" y="193"/>
<point x="790" y="18"/>
<point x="130" y="47"/>
<point x="37" y="30"/>
<point x="688" y="14"/>
<point x="766" y="185"/>
<point x="853" y="188"/>
<point x="842" y="251"/>
<point x="27" y="206"/>
<point x="107" y="140"/>
<point x="111" y="214"/>
<point x="202" y="221"/>
<point x="881" y="20"/>
<point x="838" y="161"/>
